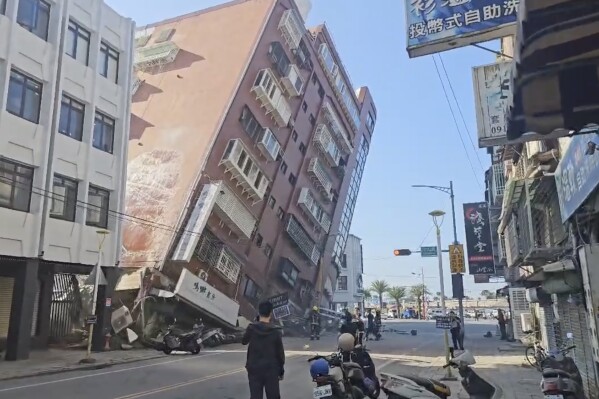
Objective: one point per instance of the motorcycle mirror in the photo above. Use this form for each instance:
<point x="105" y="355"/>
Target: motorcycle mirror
<point x="465" y="358"/>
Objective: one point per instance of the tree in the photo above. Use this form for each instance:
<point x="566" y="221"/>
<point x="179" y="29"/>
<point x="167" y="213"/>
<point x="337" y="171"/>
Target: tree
<point x="487" y="294"/>
<point x="397" y="294"/>
<point x="367" y="294"/>
<point x="419" y="292"/>
<point x="380" y="287"/>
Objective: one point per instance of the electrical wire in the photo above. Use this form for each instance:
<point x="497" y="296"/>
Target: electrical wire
<point x="455" y="121"/>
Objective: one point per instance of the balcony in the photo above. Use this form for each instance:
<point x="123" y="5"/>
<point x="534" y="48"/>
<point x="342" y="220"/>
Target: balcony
<point x="302" y="240"/>
<point x="325" y="143"/>
<point x="498" y="187"/>
<point x="233" y="212"/>
<point x="321" y="178"/>
<point x="270" y="95"/>
<point x="156" y="55"/>
<point x="292" y="28"/>
<point x="269" y="145"/>
<point x="293" y="81"/>
<point x="501" y="244"/>
<point x="244" y="169"/>
<point x="215" y="254"/>
<point x="307" y="201"/>
<point x="337" y="128"/>
<point x="135" y="85"/>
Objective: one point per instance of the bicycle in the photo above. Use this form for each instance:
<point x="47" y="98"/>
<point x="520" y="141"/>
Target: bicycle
<point x="534" y="353"/>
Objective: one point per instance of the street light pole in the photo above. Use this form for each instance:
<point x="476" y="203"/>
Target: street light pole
<point x="436" y="215"/>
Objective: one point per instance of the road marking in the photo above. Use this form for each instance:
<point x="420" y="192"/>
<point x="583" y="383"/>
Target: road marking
<point x="388" y="362"/>
<point x="39" y="384"/>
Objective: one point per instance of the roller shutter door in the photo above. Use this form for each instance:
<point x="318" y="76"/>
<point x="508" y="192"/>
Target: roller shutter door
<point x="6" y="288"/>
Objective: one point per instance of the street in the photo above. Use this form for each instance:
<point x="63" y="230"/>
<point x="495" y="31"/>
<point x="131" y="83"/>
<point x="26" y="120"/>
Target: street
<point x="220" y="373"/>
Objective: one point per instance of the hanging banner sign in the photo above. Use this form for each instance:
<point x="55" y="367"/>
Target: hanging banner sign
<point x="478" y="238"/>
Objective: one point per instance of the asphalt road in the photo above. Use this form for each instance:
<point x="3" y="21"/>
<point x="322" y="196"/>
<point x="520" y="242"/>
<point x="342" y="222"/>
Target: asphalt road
<point x="220" y="374"/>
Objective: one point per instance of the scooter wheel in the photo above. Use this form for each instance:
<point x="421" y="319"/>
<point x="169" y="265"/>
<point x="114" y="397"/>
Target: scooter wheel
<point x="167" y="350"/>
<point x="196" y="350"/>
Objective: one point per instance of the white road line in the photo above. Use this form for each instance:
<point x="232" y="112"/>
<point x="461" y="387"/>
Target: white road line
<point x="39" y="384"/>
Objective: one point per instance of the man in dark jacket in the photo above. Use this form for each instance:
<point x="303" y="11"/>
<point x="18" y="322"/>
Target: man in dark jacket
<point x="265" y="356"/>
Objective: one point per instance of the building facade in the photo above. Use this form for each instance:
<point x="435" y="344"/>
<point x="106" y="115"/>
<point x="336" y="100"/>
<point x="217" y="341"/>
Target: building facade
<point x="349" y="292"/>
<point x="65" y="85"/>
<point x="243" y="148"/>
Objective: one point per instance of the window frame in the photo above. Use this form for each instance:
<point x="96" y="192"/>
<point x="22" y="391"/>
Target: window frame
<point x="303" y="148"/>
<point x="79" y="32"/>
<point x="108" y="52"/>
<point x="47" y="7"/>
<point x="24" y="87"/>
<point x="247" y="119"/>
<point x="283" y="167"/>
<point x="280" y="213"/>
<point x="102" y="118"/>
<point x="272" y="202"/>
<point x="72" y="104"/>
<point x="268" y="251"/>
<point x="259" y="240"/>
<point x="292" y="177"/>
<point x="342" y="278"/>
<point x="27" y="172"/>
<point x="71" y="192"/>
<point x="105" y="194"/>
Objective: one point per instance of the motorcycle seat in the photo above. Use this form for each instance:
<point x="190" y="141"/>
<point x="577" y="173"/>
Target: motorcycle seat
<point x="549" y="372"/>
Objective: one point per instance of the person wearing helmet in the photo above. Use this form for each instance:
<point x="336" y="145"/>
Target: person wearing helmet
<point x="357" y="354"/>
<point x="314" y="324"/>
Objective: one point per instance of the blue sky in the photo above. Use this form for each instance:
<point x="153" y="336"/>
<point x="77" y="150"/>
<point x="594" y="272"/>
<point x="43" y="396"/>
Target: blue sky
<point x="415" y="141"/>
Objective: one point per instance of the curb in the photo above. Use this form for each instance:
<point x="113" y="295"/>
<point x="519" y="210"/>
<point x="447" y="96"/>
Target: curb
<point x="96" y="366"/>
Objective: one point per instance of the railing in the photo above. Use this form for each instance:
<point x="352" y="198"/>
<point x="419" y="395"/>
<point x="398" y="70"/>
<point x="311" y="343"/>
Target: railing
<point x="512" y="241"/>
<point x="307" y="201"/>
<point x="498" y="181"/>
<point x="158" y="54"/>
<point x="244" y="169"/>
<point x="322" y="180"/>
<point x="303" y="241"/>
<point x="337" y="128"/>
<point x="293" y="81"/>
<point x="214" y="253"/>
<point x="271" y="96"/>
<point x="292" y="28"/>
<point x="325" y="143"/>
<point x="233" y="212"/>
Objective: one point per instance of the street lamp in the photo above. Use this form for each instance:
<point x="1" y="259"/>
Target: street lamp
<point x="421" y="274"/>
<point x="449" y="190"/>
<point x="438" y="217"/>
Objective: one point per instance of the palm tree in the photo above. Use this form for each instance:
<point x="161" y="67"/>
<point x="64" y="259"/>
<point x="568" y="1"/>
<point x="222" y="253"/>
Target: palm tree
<point x="397" y="294"/>
<point x="380" y="287"/>
<point x="367" y="296"/>
<point x="420" y="291"/>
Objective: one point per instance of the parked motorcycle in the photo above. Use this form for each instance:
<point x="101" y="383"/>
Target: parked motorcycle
<point x="339" y="380"/>
<point x="561" y="377"/>
<point x="187" y="342"/>
<point x="474" y="385"/>
<point x="408" y="387"/>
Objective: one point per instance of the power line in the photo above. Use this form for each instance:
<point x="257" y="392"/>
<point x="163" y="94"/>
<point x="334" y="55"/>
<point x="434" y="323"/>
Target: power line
<point x="476" y="177"/>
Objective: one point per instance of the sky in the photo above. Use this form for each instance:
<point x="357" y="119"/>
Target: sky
<point x="415" y="140"/>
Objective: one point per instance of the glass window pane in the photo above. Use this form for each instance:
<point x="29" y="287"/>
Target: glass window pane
<point x="42" y="20"/>
<point x="15" y="93"/>
<point x="102" y="57"/>
<point x="71" y="42"/>
<point x="59" y="194"/>
<point x="31" y="109"/>
<point x="76" y="124"/>
<point x="113" y="70"/>
<point x="63" y="123"/>
<point x="82" y="49"/>
<point x="26" y="13"/>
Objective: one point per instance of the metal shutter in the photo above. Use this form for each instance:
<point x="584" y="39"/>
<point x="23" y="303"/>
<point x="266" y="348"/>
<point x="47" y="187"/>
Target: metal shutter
<point x="519" y="305"/>
<point x="547" y="326"/>
<point x="6" y="287"/>
<point x="36" y="306"/>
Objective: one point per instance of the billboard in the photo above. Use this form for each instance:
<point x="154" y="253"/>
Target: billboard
<point x="492" y="99"/>
<point x="434" y="26"/>
<point x="577" y="175"/>
<point x="478" y="238"/>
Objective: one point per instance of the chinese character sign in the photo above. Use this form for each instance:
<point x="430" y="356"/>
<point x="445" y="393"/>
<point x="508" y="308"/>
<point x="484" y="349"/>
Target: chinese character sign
<point x="577" y="175"/>
<point x="478" y="238"/>
<point x="431" y="22"/>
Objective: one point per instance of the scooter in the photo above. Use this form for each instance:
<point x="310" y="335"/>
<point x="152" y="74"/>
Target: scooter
<point x="342" y="382"/>
<point x="561" y="377"/>
<point x="473" y="384"/>
<point x="399" y="387"/>
<point x="187" y="342"/>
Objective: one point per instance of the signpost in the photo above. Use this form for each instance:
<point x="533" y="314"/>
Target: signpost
<point x="280" y="305"/>
<point x="456" y="259"/>
<point x="428" y="252"/>
<point x="443" y="322"/>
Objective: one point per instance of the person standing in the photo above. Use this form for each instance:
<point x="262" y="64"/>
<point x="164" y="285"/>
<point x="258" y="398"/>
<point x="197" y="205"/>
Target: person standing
<point x="502" y="324"/>
<point x="314" y="323"/>
<point x="370" y="327"/>
<point x="265" y="362"/>
<point x="456" y="331"/>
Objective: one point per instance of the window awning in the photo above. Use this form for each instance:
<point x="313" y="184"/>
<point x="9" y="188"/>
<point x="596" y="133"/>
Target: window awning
<point x="556" y="73"/>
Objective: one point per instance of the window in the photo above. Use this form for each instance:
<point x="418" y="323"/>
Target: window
<point x="342" y="283"/>
<point x="103" y="132"/>
<point x="77" y="43"/>
<point x="64" y="198"/>
<point x="251" y="289"/>
<point x="279" y="58"/>
<point x="108" y="62"/>
<point x="304" y="106"/>
<point x="292" y="178"/>
<point x="314" y="78"/>
<point x="249" y="122"/>
<point x="320" y="92"/>
<point x="268" y="251"/>
<point x="370" y="122"/>
<point x="294" y="136"/>
<point x="71" y="118"/>
<point x="24" y="97"/>
<point x="283" y="167"/>
<point x="164" y="36"/>
<point x="34" y="15"/>
<point x="312" y="120"/>
<point x="16" y="182"/>
<point x="271" y="202"/>
<point x="289" y="272"/>
<point x="97" y="207"/>
<point x="259" y="240"/>
<point x="280" y="213"/>
<point x="302" y="148"/>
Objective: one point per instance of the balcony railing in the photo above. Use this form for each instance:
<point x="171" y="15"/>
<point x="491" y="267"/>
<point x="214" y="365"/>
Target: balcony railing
<point x="135" y="85"/>
<point x="271" y="96"/>
<point x="325" y="143"/>
<point x="214" y="253"/>
<point x="321" y="178"/>
<point x="293" y="81"/>
<point x="498" y="187"/>
<point x="233" y="212"/>
<point x="502" y="255"/>
<point x="513" y="249"/>
<point x="269" y="145"/>
<point x="292" y="28"/>
<point x="308" y="202"/>
<point x="244" y="169"/>
<point x="337" y="128"/>
<point x="303" y="241"/>
<point x="158" y="54"/>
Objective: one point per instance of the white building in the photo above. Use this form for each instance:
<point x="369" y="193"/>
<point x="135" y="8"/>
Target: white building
<point x="65" y="85"/>
<point x="350" y="291"/>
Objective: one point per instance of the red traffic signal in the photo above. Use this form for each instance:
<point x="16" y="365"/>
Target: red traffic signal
<point x="402" y="252"/>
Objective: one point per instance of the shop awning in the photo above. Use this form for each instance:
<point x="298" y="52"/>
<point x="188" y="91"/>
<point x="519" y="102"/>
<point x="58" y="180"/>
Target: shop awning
<point x="544" y="272"/>
<point x="556" y="73"/>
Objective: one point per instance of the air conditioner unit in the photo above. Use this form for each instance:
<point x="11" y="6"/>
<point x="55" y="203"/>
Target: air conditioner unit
<point x="526" y="320"/>
<point x="538" y="295"/>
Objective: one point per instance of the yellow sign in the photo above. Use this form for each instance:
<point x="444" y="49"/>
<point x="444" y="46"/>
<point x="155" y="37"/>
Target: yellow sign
<point x="456" y="259"/>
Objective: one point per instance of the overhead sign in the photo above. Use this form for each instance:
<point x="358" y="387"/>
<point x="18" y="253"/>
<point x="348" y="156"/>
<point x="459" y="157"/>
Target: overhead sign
<point x="279" y="300"/>
<point x="428" y="252"/>
<point x="478" y="238"/>
<point x="443" y="322"/>
<point x="281" y="312"/>
<point x="492" y="98"/>
<point x="456" y="259"/>
<point x="577" y="175"/>
<point x="434" y="26"/>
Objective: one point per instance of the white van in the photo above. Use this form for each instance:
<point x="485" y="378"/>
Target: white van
<point x="434" y="313"/>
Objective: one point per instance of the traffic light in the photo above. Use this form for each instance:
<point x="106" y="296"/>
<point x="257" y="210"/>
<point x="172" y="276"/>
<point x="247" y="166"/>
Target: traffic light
<point x="402" y="252"/>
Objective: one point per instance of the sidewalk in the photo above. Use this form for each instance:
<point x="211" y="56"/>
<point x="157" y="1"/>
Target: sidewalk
<point x="55" y="361"/>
